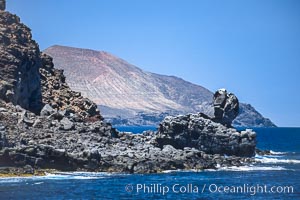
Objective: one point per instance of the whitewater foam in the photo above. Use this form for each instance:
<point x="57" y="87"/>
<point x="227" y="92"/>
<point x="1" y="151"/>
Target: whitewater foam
<point x="268" y="159"/>
<point x="38" y="183"/>
<point x="80" y="175"/>
<point x="278" y="152"/>
<point x="251" y="168"/>
<point x="60" y="176"/>
<point x="233" y="168"/>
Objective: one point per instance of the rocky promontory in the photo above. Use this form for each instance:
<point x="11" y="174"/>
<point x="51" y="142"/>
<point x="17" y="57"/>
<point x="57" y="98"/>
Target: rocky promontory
<point x="46" y="125"/>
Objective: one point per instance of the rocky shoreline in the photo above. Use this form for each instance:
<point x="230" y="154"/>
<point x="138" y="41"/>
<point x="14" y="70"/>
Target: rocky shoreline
<point x="62" y="143"/>
<point x="45" y="125"/>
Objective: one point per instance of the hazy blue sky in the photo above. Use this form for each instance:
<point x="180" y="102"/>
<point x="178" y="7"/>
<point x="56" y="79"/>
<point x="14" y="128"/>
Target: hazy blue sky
<point x="250" y="47"/>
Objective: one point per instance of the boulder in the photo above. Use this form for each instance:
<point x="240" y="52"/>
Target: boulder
<point x="226" y="107"/>
<point x="25" y="118"/>
<point x="67" y="124"/>
<point x="47" y="110"/>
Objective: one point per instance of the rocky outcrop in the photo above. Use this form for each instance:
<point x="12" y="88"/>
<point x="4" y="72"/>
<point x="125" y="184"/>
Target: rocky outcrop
<point x="226" y="107"/>
<point x="200" y="132"/>
<point x="28" y="77"/>
<point x="57" y="141"/>
<point x="2" y="5"/>
<point x="57" y="94"/>
<point x="20" y="63"/>
<point x="53" y="140"/>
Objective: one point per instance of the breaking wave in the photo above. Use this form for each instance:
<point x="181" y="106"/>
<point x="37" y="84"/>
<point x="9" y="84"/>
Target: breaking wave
<point x="270" y="159"/>
<point x="252" y="168"/>
<point x="278" y="152"/>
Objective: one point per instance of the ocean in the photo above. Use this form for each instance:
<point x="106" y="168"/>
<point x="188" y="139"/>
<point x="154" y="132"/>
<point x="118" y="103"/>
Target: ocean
<point x="276" y="177"/>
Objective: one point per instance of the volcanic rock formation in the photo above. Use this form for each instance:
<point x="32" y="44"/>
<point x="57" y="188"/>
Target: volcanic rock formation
<point x="57" y="93"/>
<point x="20" y="63"/>
<point x="226" y="107"/>
<point x="46" y="125"/>
<point x="2" y="5"/>
<point x="28" y="78"/>
<point x="58" y="141"/>
<point x="200" y="132"/>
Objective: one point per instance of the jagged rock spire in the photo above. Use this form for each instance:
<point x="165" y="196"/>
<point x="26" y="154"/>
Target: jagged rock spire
<point x="2" y="4"/>
<point x="226" y="106"/>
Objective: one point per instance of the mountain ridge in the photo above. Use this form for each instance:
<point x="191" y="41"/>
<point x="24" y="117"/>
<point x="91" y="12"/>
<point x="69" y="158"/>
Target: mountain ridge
<point x="115" y="84"/>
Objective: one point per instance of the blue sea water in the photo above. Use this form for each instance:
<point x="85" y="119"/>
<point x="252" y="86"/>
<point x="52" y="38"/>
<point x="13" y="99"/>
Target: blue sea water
<point x="276" y="177"/>
<point x="135" y="129"/>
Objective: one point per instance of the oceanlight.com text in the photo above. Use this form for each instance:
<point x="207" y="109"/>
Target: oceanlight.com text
<point x="164" y="189"/>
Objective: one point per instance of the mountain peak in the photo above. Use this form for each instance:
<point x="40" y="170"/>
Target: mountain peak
<point x="76" y="50"/>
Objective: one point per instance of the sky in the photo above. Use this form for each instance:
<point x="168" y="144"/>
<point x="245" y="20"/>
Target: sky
<point x="249" y="47"/>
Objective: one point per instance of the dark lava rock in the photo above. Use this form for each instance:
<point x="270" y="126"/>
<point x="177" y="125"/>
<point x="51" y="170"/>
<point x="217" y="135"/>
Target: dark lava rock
<point x="67" y="124"/>
<point x="20" y="63"/>
<point x="47" y="110"/>
<point x="226" y="107"/>
<point x="58" y="95"/>
<point x="2" y="5"/>
<point x="201" y="133"/>
<point x="183" y="142"/>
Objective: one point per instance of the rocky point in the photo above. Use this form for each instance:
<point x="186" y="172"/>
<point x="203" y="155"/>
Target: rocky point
<point x="46" y="125"/>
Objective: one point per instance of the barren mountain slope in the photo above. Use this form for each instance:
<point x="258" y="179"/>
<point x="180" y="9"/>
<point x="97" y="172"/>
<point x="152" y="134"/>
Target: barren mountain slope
<point x="124" y="91"/>
<point x="113" y="82"/>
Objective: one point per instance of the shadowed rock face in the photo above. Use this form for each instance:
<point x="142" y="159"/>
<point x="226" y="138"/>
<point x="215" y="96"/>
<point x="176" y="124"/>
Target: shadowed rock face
<point x="28" y="78"/>
<point x="2" y="5"/>
<point x="19" y="66"/>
